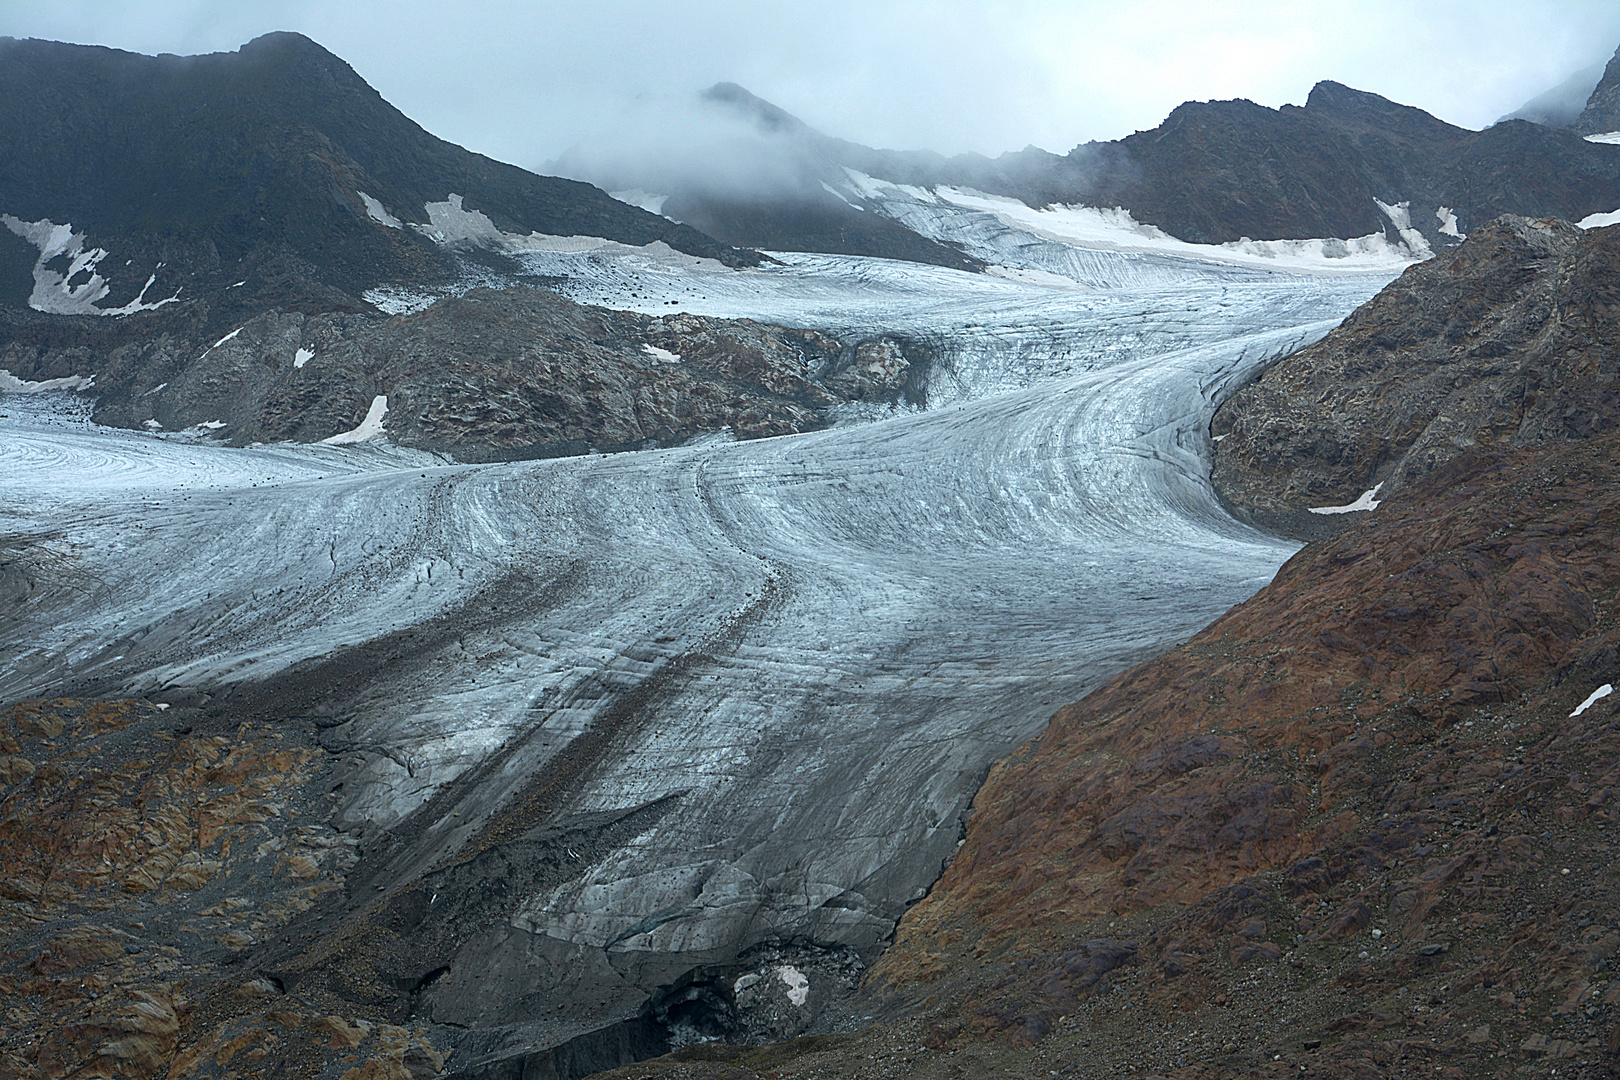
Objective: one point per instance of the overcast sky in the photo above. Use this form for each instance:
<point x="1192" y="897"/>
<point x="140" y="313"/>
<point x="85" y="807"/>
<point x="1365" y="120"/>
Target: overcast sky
<point x="522" y="81"/>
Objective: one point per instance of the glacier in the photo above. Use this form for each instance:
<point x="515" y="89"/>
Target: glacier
<point x="801" y="653"/>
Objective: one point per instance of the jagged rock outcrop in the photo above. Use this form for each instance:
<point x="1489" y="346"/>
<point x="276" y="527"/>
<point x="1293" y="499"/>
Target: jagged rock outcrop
<point x="1602" y="112"/>
<point x="140" y="859"/>
<point x="1512" y="339"/>
<point x="493" y="374"/>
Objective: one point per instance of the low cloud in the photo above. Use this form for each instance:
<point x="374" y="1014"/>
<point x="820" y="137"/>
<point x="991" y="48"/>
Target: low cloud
<point x="528" y="83"/>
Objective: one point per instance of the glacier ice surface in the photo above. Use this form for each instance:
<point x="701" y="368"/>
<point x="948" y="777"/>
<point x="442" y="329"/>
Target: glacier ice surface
<point x="839" y="631"/>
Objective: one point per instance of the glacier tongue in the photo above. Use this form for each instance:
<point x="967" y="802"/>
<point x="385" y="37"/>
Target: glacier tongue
<point x="786" y="663"/>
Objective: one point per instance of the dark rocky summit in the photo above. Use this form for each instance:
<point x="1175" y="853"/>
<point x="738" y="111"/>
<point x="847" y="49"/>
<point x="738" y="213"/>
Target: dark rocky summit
<point x="1512" y="339"/>
<point x="1221" y="170"/>
<point x="220" y="167"/>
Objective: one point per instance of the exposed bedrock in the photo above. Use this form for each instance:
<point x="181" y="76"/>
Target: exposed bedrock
<point x="1510" y="340"/>
<point x="146" y="157"/>
<point x="511" y="373"/>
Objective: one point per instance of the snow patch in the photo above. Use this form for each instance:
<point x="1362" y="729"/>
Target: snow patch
<point x="378" y="213"/>
<point x="151" y="425"/>
<point x="1593" y="698"/>
<point x="1448" y="222"/>
<point x="212" y="425"/>
<point x="648" y="201"/>
<point x="10" y="384"/>
<point x="226" y="338"/>
<point x="835" y="193"/>
<point x="454" y="225"/>
<point x="1400" y="216"/>
<point x="798" y="985"/>
<point x="451" y="223"/>
<point x="302" y="357"/>
<point x="1610" y="137"/>
<point x="1114" y="229"/>
<point x="663" y="355"/>
<point x="1366" y="501"/>
<point x="1600" y="221"/>
<point x="55" y="292"/>
<point x="395" y="300"/>
<point x="370" y="428"/>
<point x="868" y="187"/>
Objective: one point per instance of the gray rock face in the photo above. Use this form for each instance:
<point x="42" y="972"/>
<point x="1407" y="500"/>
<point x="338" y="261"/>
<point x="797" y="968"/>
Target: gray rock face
<point x="493" y="374"/>
<point x="1508" y="340"/>
<point x="1602" y="112"/>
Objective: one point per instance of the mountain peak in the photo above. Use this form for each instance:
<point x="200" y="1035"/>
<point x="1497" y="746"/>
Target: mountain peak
<point x="1345" y="103"/>
<point x="752" y="107"/>
<point x="1338" y="97"/>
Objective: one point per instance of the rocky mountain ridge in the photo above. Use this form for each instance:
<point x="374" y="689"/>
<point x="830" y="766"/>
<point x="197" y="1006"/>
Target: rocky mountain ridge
<point x="1346" y="164"/>
<point x="1602" y="112"/>
<point x="197" y="240"/>
<point x="199" y="170"/>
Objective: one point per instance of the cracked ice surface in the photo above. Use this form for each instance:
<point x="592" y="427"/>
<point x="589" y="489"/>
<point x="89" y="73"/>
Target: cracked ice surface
<point x="815" y="645"/>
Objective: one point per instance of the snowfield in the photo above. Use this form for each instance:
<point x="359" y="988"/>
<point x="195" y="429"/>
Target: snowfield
<point x="811" y="647"/>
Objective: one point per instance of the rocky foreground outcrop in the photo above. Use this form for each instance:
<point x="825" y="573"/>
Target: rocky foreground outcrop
<point x="1510" y="340"/>
<point x="492" y="374"/>
<point x="138" y="859"/>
